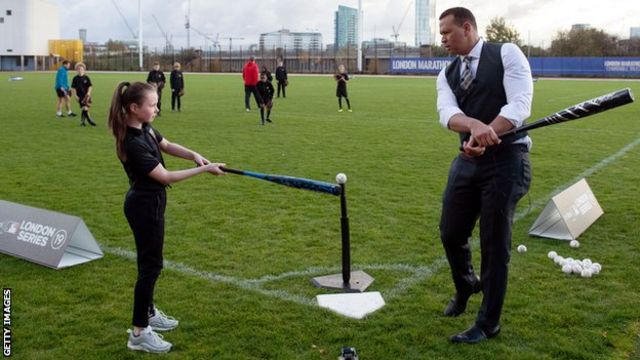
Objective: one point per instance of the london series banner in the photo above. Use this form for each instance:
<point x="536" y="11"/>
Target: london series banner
<point x="45" y="237"/>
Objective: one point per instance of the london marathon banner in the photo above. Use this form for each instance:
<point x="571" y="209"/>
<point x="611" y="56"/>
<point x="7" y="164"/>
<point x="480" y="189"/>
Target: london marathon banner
<point x="540" y="66"/>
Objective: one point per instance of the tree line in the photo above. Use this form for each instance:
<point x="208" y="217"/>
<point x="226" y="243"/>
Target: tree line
<point x="574" y="42"/>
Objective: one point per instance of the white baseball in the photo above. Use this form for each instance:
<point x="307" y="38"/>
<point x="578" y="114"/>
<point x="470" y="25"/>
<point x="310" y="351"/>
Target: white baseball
<point x="577" y="268"/>
<point x="522" y="249"/>
<point x="552" y="255"/>
<point x="574" y="244"/>
<point x="341" y="178"/>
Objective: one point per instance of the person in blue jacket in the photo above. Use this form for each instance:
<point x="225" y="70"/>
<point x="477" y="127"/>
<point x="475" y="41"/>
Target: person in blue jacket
<point x="63" y="90"/>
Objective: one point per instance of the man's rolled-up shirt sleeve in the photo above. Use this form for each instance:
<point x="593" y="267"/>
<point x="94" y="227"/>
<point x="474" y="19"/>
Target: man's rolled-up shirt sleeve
<point x="447" y="104"/>
<point x="518" y="85"/>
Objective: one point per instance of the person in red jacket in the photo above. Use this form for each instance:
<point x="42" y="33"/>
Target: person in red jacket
<point x="251" y="76"/>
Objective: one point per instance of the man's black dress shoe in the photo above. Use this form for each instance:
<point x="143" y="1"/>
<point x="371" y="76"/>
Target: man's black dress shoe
<point x="458" y="304"/>
<point x="474" y="335"/>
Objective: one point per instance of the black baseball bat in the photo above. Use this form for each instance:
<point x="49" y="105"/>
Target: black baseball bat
<point x="295" y="182"/>
<point x="579" y="111"/>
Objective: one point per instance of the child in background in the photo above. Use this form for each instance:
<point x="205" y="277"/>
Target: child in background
<point x="267" y="73"/>
<point x="265" y="89"/>
<point x="341" y="91"/>
<point x="139" y="148"/>
<point x="81" y="86"/>
<point x="156" y="78"/>
<point x="282" y="78"/>
<point x="62" y="89"/>
<point x="177" y="86"/>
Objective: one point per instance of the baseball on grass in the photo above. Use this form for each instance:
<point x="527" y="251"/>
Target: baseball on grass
<point x="341" y="178"/>
<point x="552" y="255"/>
<point x="574" y="244"/>
<point x="522" y="249"/>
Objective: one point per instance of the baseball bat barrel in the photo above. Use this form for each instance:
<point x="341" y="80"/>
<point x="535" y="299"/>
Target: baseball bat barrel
<point x="578" y="111"/>
<point x="295" y="182"/>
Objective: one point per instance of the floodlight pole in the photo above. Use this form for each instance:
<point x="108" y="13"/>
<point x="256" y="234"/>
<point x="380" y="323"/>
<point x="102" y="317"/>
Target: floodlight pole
<point x="140" y="55"/>
<point x="359" y="37"/>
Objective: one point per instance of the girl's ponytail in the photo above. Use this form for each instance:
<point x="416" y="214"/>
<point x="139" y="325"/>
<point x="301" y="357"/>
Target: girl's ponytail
<point x="125" y="95"/>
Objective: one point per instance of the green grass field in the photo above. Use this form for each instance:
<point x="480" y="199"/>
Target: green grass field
<point x="240" y="252"/>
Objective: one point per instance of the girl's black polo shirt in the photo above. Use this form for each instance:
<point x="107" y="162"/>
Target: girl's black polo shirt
<point x="143" y="155"/>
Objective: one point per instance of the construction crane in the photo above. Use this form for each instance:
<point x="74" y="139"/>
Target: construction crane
<point x="396" y="30"/>
<point x="124" y="19"/>
<point x="168" y="45"/>
<point x="138" y="35"/>
<point x="230" y="38"/>
<point x="214" y="41"/>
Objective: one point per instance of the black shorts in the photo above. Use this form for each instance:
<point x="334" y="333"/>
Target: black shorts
<point x="85" y="101"/>
<point x="62" y="93"/>
<point x="268" y="103"/>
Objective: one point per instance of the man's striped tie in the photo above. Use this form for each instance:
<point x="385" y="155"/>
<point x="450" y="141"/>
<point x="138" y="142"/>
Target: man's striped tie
<point x="467" y="77"/>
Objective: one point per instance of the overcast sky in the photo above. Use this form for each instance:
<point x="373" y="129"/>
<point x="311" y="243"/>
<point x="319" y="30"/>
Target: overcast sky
<point x="537" y="20"/>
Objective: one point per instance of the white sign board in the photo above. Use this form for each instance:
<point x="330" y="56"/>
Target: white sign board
<point x="568" y="214"/>
<point x="45" y="237"/>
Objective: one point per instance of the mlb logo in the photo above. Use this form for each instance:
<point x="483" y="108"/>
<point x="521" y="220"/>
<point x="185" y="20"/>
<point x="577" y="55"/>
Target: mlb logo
<point x="10" y="227"/>
<point x="13" y="227"/>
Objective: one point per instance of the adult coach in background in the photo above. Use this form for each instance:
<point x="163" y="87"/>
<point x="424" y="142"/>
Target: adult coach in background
<point x="282" y="79"/>
<point x="486" y="90"/>
<point x="251" y="76"/>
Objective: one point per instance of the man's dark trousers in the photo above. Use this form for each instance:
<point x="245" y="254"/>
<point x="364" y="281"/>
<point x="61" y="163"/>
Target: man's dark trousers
<point x="248" y="90"/>
<point x="487" y="187"/>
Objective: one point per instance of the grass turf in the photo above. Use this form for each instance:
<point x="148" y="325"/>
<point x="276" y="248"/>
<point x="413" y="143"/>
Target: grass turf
<point x="396" y="156"/>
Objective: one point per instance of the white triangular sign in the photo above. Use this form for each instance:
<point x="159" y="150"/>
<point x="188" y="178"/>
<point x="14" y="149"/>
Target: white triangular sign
<point x="45" y="237"/>
<point x="568" y="214"/>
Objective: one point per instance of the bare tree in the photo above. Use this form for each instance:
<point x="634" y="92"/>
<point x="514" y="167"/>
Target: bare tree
<point x="584" y="42"/>
<point x="498" y="31"/>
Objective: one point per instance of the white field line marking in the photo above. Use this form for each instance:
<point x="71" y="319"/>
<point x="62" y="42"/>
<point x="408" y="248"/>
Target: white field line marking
<point x="230" y="280"/>
<point x="590" y="171"/>
<point x="420" y="273"/>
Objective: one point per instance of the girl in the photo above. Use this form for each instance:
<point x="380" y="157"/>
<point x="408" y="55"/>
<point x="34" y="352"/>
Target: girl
<point x="177" y="86"/>
<point x="341" y="91"/>
<point x="265" y="89"/>
<point x="82" y="86"/>
<point x="139" y="147"/>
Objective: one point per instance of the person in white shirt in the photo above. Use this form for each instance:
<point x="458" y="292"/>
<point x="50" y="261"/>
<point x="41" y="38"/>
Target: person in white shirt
<point x="486" y="90"/>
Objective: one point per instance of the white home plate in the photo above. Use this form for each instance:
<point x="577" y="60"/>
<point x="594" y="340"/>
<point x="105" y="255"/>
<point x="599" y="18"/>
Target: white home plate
<point x="353" y="305"/>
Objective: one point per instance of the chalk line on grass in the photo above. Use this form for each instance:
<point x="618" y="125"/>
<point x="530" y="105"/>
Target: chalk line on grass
<point x="418" y="273"/>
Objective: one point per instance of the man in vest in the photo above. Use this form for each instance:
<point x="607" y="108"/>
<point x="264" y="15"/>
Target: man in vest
<point x="486" y="90"/>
